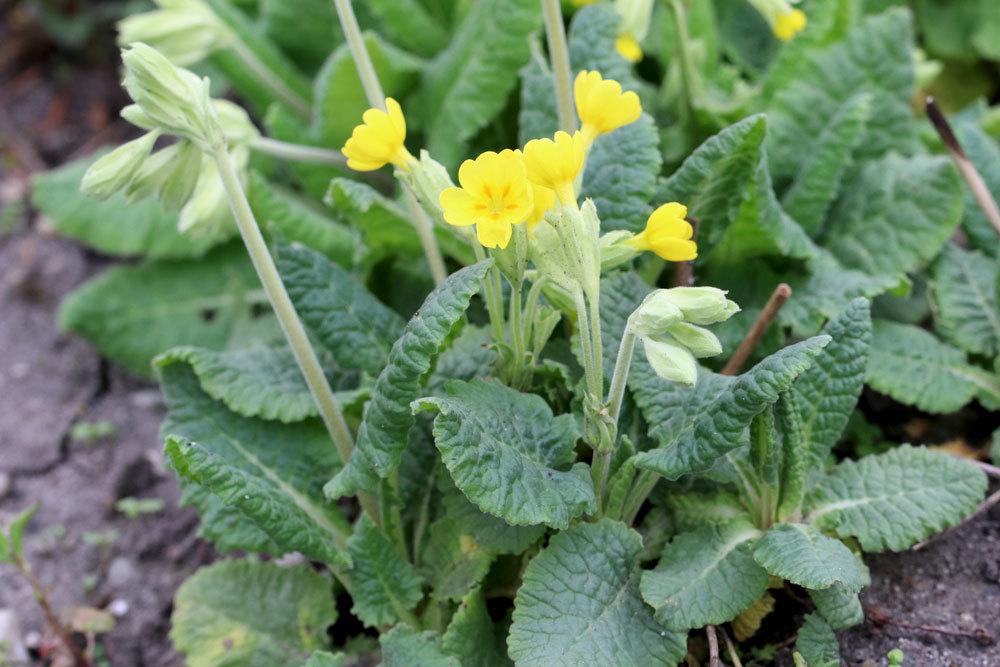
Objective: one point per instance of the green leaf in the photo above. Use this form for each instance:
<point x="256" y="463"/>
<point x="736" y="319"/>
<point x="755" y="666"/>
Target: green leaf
<point x="913" y="367"/>
<point x="894" y="500"/>
<point x="453" y="561"/>
<point x="247" y="465"/>
<point x="765" y="455"/>
<point x="325" y="659"/>
<point x="307" y="29"/>
<point x="346" y="318"/>
<point x="132" y="313"/>
<point x="388" y="418"/>
<point x="817" y="643"/>
<point x="896" y="214"/>
<point x="706" y="576"/>
<point x="621" y="174"/>
<point x="340" y="98"/>
<point x="293" y="218"/>
<point x="721" y="427"/>
<point x="410" y="24"/>
<point x="875" y="58"/>
<point x="472" y="636"/>
<point x="244" y="612"/>
<point x="12" y="544"/>
<point x="405" y="647"/>
<point x="818" y="180"/>
<point x="693" y="510"/>
<point x="840" y="606"/>
<point x="113" y="226"/>
<point x="261" y="382"/>
<point x="964" y="288"/>
<point x="384" y="586"/>
<point x="984" y="153"/>
<point x="806" y="557"/>
<point x="509" y="455"/>
<point x="826" y="393"/>
<point x="579" y="604"/>
<point x="489" y="531"/>
<point x="469" y="82"/>
<point x="796" y="457"/>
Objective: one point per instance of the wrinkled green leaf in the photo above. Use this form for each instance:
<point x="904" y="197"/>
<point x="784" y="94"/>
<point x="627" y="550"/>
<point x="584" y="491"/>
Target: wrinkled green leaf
<point x="405" y="647"/>
<point x="384" y="586"/>
<point x="472" y="636"/>
<point x="410" y="24"/>
<point x="579" y="604"/>
<point x="706" y="576"/>
<point x="817" y="643"/>
<point x="806" y="557"/>
<point x="453" y="561"/>
<point x="964" y="288"/>
<point x="839" y="606"/>
<point x="243" y="612"/>
<point x="984" y="152"/>
<point x="891" y="501"/>
<point x="489" y="531"/>
<point x="509" y="455"/>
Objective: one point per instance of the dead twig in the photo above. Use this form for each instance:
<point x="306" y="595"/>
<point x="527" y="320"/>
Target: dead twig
<point x="730" y="648"/>
<point x="991" y="470"/>
<point x="881" y="617"/>
<point x="982" y="509"/>
<point x="980" y="191"/>
<point x="778" y="299"/>
<point x="713" y="647"/>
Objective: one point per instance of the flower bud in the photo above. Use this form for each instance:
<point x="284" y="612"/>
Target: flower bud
<point x="185" y="31"/>
<point x="152" y="173"/>
<point x="427" y="178"/>
<point x="182" y="177"/>
<point x="615" y="250"/>
<point x="703" y="305"/>
<point x="115" y="170"/>
<point x="671" y="361"/>
<point x="173" y="99"/>
<point x="235" y="122"/>
<point x="655" y="314"/>
<point x="701" y="342"/>
<point x="207" y="213"/>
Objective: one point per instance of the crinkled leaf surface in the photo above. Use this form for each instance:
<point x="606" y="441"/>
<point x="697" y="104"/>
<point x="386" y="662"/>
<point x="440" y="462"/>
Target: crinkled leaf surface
<point x="405" y="647"/>
<point x="384" y="586"/>
<point x="964" y="285"/>
<point x="489" y="531"/>
<point x="692" y="510"/>
<point x="891" y="501"/>
<point x="840" y="606"/>
<point x="915" y="368"/>
<point x="801" y="554"/>
<point x="468" y="83"/>
<point x="268" y="474"/>
<point x="410" y="24"/>
<point x="579" y="604"/>
<point x="453" y="562"/>
<point x="984" y="152"/>
<point x="817" y="643"/>
<point x="113" y="226"/>
<point x="720" y="428"/>
<point x="346" y="318"/>
<point x="705" y="576"/>
<point x="509" y="455"/>
<point x="132" y="313"/>
<point x="261" y="382"/>
<point x="472" y="637"/>
<point x="895" y="215"/>
<point x="243" y="612"/>
<point x="874" y="58"/>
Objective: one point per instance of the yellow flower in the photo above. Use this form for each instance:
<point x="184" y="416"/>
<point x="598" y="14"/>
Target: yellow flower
<point x="379" y="140"/>
<point x="495" y="195"/>
<point x="668" y="234"/>
<point x="556" y="164"/>
<point x="542" y="200"/>
<point x="788" y="24"/>
<point x="602" y="106"/>
<point x="629" y="48"/>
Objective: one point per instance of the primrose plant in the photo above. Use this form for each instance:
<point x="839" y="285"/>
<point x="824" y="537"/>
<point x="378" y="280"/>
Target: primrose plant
<point x="483" y="533"/>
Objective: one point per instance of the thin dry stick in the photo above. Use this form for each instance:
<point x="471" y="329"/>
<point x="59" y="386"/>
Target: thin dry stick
<point x="684" y="271"/>
<point x="983" y="509"/>
<point x="881" y="617"/>
<point x="778" y="298"/>
<point x="964" y="164"/>
<point x="730" y="649"/>
<point x="713" y="647"/>
<point x="992" y="471"/>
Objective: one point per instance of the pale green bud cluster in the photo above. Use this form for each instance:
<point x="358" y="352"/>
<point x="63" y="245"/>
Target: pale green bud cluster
<point x="635" y="17"/>
<point x="567" y="250"/>
<point x="171" y="100"/>
<point x="427" y="178"/>
<point x="615" y="249"/>
<point x="185" y="31"/>
<point x="668" y="323"/>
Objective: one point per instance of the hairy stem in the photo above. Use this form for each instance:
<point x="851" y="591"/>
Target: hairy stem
<point x="298" y="152"/>
<point x="271" y="80"/>
<point x="688" y="75"/>
<point x="291" y="325"/>
<point x="425" y="231"/>
<point x="555" y="33"/>
<point x="619" y="379"/>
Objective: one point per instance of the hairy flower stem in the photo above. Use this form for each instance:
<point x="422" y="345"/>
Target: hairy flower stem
<point x="517" y="333"/>
<point x="619" y="379"/>
<point x="376" y="99"/>
<point x="492" y="293"/>
<point x="291" y="325"/>
<point x="688" y="74"/>
<point x="555" y="33"/>
<point x="299" y="153"/>
<point x="271" y="80"/>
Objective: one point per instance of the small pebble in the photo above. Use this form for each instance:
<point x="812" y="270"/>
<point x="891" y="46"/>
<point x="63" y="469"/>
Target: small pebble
<point x="121" y="572"/>
<point x="118" y="607"/>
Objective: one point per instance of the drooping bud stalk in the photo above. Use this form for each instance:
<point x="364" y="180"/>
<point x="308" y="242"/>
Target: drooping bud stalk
<point x="115" y="170"/>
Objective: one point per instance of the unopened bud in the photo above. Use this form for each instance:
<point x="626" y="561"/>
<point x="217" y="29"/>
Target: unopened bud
<point x="179" y="184"/>
<point x="235" y="122"/>
<point x="615" y="250"/>
<point x="703" y="305"/>
<point x="115" y="170"/>
<point x="427" y="178"/>
<point x="185" y="31"/>
<point x="701" y="342"/>
<point x="207" y="213"/>
<point x="655" y="314"/>
<point x="671" y="361"/>
<point x="152" y="173"/>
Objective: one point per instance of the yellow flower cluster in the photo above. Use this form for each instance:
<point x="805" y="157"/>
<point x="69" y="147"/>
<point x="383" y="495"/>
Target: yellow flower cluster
<point x="788" y="24"/>
<point x="499" y="190"/>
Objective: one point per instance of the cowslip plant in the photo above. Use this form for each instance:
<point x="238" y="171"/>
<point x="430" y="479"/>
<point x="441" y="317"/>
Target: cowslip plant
<point x="547" y="469"/>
